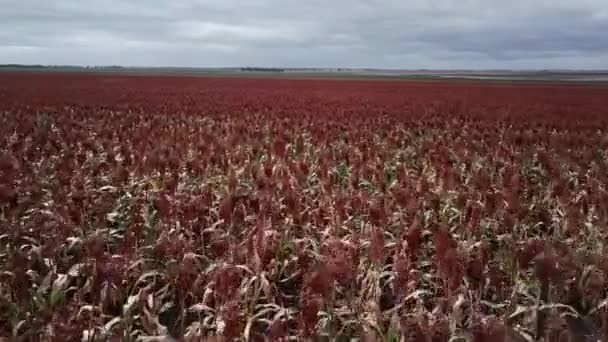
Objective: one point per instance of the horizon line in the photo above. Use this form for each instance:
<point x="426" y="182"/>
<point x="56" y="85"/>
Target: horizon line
<point x="279" y="68"/>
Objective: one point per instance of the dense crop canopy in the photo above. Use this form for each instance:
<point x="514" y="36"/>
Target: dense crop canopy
<point x="135" y="206"/>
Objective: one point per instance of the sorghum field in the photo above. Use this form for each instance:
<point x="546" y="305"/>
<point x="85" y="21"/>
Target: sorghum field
<point x="140" y="208"/>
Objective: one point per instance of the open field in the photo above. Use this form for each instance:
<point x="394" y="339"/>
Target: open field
<point x="596" y="77"/>
<point x="261" y="209"/>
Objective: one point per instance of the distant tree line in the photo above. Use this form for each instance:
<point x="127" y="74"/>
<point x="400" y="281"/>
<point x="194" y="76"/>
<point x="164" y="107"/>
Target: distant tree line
<point x="20" y="66"/>
<point x="256" y="69"/>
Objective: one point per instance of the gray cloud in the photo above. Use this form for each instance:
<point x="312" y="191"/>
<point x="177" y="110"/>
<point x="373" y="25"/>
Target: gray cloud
<point x="372" y="33"/>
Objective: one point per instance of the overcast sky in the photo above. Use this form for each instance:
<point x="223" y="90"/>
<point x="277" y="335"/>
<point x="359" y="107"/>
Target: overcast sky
<point x="481" y="34"/>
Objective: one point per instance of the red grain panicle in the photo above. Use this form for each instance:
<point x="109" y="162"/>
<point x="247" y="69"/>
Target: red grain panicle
<point x="311" y="305"/>
<point x="304" y="262"/>
<point x="450" y="179"/>
<point x="292" y="201"/>
<point x="573" y="219"/>
<point x="95" y="246"/>
<point x="355" y="179"/>
<point x="356" y="203"/>
<point x="227" y="281"/>
<point x="413" y="237"/>
<point x="490" y="330"/>
<point x="411" y="330"/>
<point x="304" y="168"/>
<point x="319" y="281"/>
<point x="451" y="268"/>
<point x="546" y="266"/>
<point x="260" y="237"/>
<point x="439" y="328"/>
<point x="342" y="259"/>
<point x="401" y="267"/>
<point x="529" y="251"/>
<point x="219" y="247"/>
<point x="443" y="240"/>
<point x="120" y="174"/>
<point x="377" y="213"/>
<point x="476" y="264"/>
<point x="278" y="330"/>
<point x="482" y="181"/>
<point x="233" y="320"/>
<point x="111" y="269"/>
<point x="376" y="247"/>
<point x="340" y="206"/>
<point x="402" y="196"/>
<point x="233" y="181"/>
<point x="279" y="147"/>
<point x="227" y="206"/>
<point x="473" y="217"/>
<point x="449" y="260"/>
<point x="163" y="206"/>
<point x="508" y="222"/>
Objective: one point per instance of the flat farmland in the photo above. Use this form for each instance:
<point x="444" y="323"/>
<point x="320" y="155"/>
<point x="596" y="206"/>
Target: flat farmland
<point x="184" y="208"/>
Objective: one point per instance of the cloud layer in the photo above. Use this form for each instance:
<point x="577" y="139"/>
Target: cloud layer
<point x="478" y="34"/>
